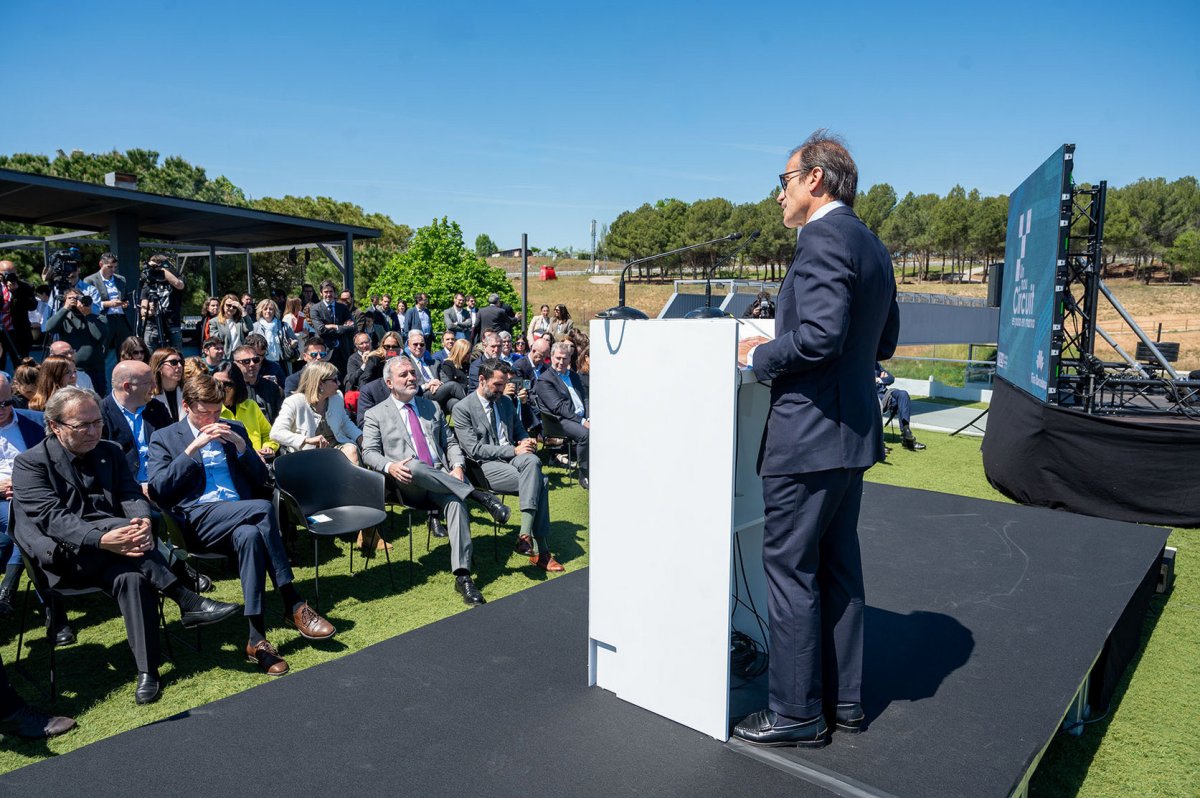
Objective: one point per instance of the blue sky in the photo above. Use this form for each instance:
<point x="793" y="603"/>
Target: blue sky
<point x="539" y="117"/>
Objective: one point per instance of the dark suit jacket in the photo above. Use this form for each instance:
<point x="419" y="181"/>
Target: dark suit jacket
<point x="178" y="480"/>
<point x="54" y="517"/>
<point x="320" y="315"/>
<point x="553" y="398"/>
<point x="354" y="365"/>
<point x="411" y="322"/>
<point x="526" y="370"/>
<point x="494" y="317"/>
<point x="267" y="395"/>
<point x="369" y="395"/>
<point x="385" y="321"/>
<point x="836" y="315"/>
<point x="116" y="429"/>
<point x="31" y="426"/>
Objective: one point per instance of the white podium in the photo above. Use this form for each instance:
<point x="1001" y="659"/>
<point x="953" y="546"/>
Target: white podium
<point x="675" y="498"/>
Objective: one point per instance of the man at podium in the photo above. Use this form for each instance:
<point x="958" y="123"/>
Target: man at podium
<point x="836" y="315"/>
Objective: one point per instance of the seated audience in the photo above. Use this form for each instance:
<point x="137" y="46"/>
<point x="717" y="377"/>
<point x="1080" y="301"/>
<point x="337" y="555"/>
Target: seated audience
<point x="315" y="351"/>
<point x="560" y="394"/>
<point x="55" y="373"/>
<point x="426" y="368"/>
<point x="64" y="349"/>
<point x="205" y="472"/>
<point x="271" y="370"/>
<point x="81" y="516"/>
<point x="265" y="391"/>
<point x="133" y="348"/>
<point x="167" y="365"/>
<point x="490" y="432"/>
<point x="531" y="365"/>
<point x="24" y="383"/>
<point x="520" y="349"/>
<point x="369" y="395"/>
<point x="448" y="339"/>
<point x="453" y="371"/>
<point x="390" y="345"/>
<point x="898" y="401"/>
<point x="489" y="348"/>
<point x="212" y="354"/>
<point x="20" y="430"/>
<point x="238" y="406"/>
<point x="407" y="438"/>
<point x="130" y="418"/>
<point x="354" y="365"/>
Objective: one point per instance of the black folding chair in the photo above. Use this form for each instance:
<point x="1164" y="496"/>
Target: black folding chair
<point x="552" y="428"/>
<point x="394" y="497"/>
<point x="319" y="483"/>
<point x="476" y="477"/>
<point x="171" y="534"/>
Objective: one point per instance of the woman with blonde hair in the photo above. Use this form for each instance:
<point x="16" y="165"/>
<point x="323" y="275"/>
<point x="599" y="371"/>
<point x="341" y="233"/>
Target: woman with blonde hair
<point x="281" y="341"/>
<point x="455" y="370"/>
<point x="55" y="372"/>
<point x="315" y="417"/>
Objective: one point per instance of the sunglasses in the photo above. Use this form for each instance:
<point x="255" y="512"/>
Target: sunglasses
<point x="319" y="355"/>
<point x="7" y="402"/>
<point x="173" y="362"/>
<point x="246" y="361"/>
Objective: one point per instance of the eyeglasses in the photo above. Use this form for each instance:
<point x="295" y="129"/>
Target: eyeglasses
<point x="319" y="355"/>
<point x="173" y="362"/>
<point x="786" y="176"/>
<point x="7" y="402"/>
<point x="331" y="379"/>
<point x="97" y="424"/>
<point x="246" y="361"/>
<point x="390" y="348"/>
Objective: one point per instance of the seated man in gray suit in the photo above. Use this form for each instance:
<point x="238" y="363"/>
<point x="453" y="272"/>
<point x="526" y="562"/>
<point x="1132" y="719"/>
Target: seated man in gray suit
<point x="491" y="434"/>
<point x="406" y="437"/>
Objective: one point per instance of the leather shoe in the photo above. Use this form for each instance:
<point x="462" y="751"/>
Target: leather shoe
<point x="585" y="483"/>
<point x="849" y="718"/>
<point x="912" y="445"/>
<point x="547" y="562"/>
<point x="768" y="729"/>
<point x="204" y="584"/>
<point x="33" y="724"/>
<point x="148" y="688"/>
<point x="309" y="624"/>
<point x="6" y="601"/>
<point x="209" y="611"/>
<point x="267" y="657"/>
<point x="466" y="588"/>
<point x="63" y="635"/>
<point x="498" y="509"/>
<point x="437" y="528"/>
<point x="524" y="545"/>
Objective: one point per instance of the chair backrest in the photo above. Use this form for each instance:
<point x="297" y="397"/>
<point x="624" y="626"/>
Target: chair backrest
<point x="551" y="427"/>
<point x="319" y="479"/>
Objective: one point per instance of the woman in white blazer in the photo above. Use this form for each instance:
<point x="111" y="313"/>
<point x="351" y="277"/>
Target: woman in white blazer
<point x="315" y="417"/>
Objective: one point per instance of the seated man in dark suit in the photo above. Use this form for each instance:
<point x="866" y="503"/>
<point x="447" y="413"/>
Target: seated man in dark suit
<point x="20" y="430"/>
<point x="491" y="349"/>
<point x="315" y="351"/>
<point x="531" y="366"/>
<point x="81" y="516"/>
<point x="205" y="472"/>
<point x="561" y="394"/>
<point x="448" y="340"/>
<point x="370" y="395"/>
<point x="407" y="438"/>
<point x="265" y="392"/>
<point x="896" y="400"/>
<point x="354" y="366"/>
<point x="490" y="432"/>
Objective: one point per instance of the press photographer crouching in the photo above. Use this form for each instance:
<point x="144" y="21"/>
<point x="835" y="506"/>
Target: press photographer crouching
<point x="160" y="300"/>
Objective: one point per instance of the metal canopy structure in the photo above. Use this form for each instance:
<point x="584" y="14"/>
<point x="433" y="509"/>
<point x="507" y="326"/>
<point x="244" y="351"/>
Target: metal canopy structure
<point x="129" y="215"/>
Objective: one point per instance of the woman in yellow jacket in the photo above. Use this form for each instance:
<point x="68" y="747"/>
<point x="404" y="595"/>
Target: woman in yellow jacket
<point x="238" y="406"/>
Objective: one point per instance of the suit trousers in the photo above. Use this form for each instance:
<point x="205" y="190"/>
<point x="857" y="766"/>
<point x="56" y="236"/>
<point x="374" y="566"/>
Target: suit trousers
<point x="432" y="485"/>
<point x="134" y="582"/>
<point x="578" y="433"/>
<point x="523" y="476"/>
<point x="900" y="402"/>
<point x="247" y="528"/>
<point x="815" y="589"/>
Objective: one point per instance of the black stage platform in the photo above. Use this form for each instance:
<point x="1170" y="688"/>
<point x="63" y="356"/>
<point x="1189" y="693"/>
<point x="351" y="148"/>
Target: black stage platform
<point x="984" y="619"/>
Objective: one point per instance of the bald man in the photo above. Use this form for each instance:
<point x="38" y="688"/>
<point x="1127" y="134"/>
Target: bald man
<point x="130" y="418"/>
<point x="64" y="349"/>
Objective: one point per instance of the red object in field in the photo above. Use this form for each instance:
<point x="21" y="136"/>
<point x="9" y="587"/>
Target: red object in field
<point x="548" y="273"/>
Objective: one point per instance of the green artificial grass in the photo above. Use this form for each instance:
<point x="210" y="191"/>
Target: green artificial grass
<point x="1147" y="745"/>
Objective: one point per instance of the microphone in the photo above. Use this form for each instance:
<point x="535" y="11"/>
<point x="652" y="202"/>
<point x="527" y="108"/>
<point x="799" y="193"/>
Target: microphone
<point x="621" y="311"/>
<point x="708" y="311"/>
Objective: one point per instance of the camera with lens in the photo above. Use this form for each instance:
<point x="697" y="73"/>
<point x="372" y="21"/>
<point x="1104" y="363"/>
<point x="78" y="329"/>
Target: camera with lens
<point x="153" y="285"/>
<point x="766" y="309"/>
<point x="63" y="265"/>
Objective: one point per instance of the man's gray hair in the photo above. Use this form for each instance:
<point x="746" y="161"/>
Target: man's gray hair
<point x="63" y="398"/>
<point x="392" y="363"/>
<point x="828" y="151"/>
<point x="411" y="333"/>
<point x="562" y="346"/>
<point x="505" y="335"/>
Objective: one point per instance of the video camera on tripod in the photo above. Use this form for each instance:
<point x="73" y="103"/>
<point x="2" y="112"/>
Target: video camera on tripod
<point x="155" y="294"/>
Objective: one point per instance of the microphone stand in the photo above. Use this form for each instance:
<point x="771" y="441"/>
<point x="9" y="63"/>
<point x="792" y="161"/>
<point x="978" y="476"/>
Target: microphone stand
<point x="708" y="311"/>
<point x="622" y="311"/>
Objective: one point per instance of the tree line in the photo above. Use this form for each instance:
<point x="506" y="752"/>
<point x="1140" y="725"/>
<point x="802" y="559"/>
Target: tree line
<point x="1151" y="224"/>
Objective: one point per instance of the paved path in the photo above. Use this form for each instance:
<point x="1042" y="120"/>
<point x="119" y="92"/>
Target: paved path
<point x="946" y="418"/>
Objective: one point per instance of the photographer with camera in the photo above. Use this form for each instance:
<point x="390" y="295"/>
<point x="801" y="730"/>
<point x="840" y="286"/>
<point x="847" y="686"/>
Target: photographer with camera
<point x="85" y="331"/>
<point x="113" y="303"/>
<point x="16" y="300"/>
<point x="62" y="272"/>
<point x="763" y="307"/>
<point x="160" y="304"/>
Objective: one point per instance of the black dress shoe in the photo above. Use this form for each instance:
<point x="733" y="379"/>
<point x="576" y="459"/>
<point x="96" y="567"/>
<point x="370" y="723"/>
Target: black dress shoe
<point x="7" y="594"/>
<point x="63" y="635"/>
<point x="498" y="509"/>
<point x="148" y="688"/>
<point x="768" y="729"/>
<point x="33" y="724"/>
<point x="203" y="583"/>
<point x="584" y="482"/>
<point x="466" y="588"/>
<point x="849" y="718"/>
<point x="437" y="528"/>
<point x="912" y="445"/>
<point x="209" y="611"/>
